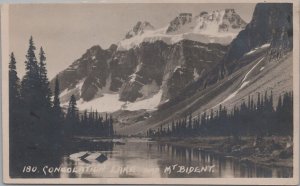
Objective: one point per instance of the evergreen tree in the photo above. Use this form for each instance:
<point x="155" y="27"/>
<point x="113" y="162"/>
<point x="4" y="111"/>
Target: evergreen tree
<point x="173" y="126"/>
<point x="44" y="82"/>
<point x="286" y="114"/>
<point x="252" y="103"/>
<point x="30" y="83"/>
<point x="34" y="121"/>
<point x="279" y="105"/>
<point x="14" y="82"/>
<point x="111" y="127"/>
<point x="72" y="117"/>
<point x="14" y="114"/>
<point x="57" y="115"/>
<point x="190" y="123"/>
<point x="85" y="117"/>
<point x="56" y="101"/>
<point x="258" y="101"/>
<point x="72" y="112"/>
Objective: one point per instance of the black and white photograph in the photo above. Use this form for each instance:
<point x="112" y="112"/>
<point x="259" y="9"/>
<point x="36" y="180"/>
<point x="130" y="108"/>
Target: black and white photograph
<point x="168" y="92"/>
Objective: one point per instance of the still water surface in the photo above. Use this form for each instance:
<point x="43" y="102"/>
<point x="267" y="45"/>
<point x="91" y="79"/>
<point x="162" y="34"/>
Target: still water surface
<point x="142" y="158"/>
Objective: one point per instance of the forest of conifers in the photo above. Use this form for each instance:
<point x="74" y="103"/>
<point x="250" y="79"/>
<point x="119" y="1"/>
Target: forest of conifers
<point x="37" y="123"/>
<point x="258" y="118"/>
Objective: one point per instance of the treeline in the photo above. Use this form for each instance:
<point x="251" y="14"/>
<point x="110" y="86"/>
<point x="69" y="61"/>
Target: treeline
<point x="89" y="123"/>
<point x="257" y="118"/>
<point x="36" y="119"/>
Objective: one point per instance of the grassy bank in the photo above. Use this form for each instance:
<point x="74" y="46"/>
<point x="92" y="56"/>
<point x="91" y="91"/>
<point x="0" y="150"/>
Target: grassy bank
<point x="268" y="151"/>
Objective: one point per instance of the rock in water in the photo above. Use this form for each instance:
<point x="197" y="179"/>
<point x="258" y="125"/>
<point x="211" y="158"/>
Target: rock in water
<point x="84" y="156"/>
<point x="78" y="155"/>
<point x="101" y="158"/>
<point x="93" y="156"/>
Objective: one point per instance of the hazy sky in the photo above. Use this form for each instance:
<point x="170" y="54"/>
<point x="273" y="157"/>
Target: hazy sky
<point x="66" y="31"/>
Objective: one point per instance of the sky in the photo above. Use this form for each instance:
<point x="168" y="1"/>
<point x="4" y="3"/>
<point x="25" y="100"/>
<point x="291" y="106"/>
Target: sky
<point x="66" y="31"/>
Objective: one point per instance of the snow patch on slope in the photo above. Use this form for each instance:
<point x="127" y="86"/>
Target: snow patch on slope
<point x="111" y="103"/>
<point x="252" y="69"/>
<point x="149" y="90"/>
<point x="176" y="68"/>
<point x="106" y="103"/>
<point x="147" y="104"/>
<point x="267" y="45"/>
<point x="159" y="35"/>
<point x="67" y="93"/>
<point x="244" y="83"/>
<point x="235" y="93"/>
<point x="196" y="75"/>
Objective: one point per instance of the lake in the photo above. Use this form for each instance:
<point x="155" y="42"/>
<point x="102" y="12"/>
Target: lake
<point x="136" y="157"/>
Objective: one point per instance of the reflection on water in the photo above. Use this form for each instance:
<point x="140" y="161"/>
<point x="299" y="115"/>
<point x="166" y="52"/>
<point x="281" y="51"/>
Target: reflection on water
<point x="141" y="158"/>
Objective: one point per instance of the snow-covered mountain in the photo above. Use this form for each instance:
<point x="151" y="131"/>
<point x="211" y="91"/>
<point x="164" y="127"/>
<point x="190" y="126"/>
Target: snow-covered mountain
<point x="170" y="74"/>
<point x="220" y="26"/>
<point x="139" y="29"/>
<point x="151" y="64"/>
<point x="259" y="59"/>
<point x="171" y="68"/>
<point x="151" y="70"/>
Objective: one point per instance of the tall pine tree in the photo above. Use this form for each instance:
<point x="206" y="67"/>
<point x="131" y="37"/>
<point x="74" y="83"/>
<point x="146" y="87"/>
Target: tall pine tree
<point x="30" y="83"/>
<point x="56" y="101"/>
<point x="72" y="117"/>
<point x="14" y="82"/>
<point x="58" y="118"/>
<point x="14" y="114"/>
<point x="45" y="90"/>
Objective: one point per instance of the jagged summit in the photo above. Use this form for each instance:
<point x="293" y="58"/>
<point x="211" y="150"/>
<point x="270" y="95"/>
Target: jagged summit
<point x="217" y="21"/>
<point x="139" y="29"/>
<point x="180" y="20"/>
<point x="219" y="26"/>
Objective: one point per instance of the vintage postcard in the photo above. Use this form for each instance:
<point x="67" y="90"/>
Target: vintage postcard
<point x="151" y="92"/>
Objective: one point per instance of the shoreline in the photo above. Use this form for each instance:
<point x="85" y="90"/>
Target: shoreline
<point x="267" y="153"/>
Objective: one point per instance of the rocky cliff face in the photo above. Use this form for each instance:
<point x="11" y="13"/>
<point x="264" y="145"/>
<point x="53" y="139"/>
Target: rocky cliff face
<point x="151" y="61"/>
<point x="141" y="72"/>
<point x="271" y="23"/>
<point x="171" y="69"/>
<point x="270" y="31"/>
<point x="91" y="70"/>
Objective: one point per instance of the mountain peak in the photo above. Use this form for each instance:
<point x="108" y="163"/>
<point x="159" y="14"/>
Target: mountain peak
<point x="139" y="29"/>
<point x="93" y="50"/>
<point x="219" y="26"/>
<point x="180" y="20"/>
<point x="208" y="22"/>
